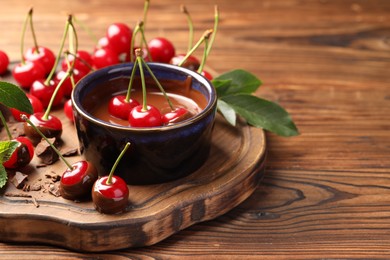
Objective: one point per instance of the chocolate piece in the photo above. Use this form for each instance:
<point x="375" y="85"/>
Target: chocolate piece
<point x="19" y="179"/>
<point x="44" y="151"/>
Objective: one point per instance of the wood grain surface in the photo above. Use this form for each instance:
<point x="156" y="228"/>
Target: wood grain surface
<point x="326" y="193"/>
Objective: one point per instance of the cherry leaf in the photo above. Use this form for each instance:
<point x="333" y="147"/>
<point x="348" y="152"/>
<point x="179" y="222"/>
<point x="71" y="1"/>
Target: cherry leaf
<point x="13" y="96"/>
<point x="227" y="111"/>
<point x="236" y="82"/>
<point x="263" y="113"/>
<point x="6" y="150"/>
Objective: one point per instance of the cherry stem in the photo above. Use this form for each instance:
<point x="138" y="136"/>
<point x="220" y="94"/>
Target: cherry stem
<point x="109" y="179"/>
<point x="204" y="57"/>
<point x="205" y="35"/>
<point x="68" y="72"/>
<point x="25" y="118"/>
<point x="146" y="9"/>
<point x="79" y="58"/>
<point x="127" y="99"/>
<point x="190" y="27"/>
<point x="138" y="53"/>
<point x="23" y="60"/>
<point x="5" y="125"/>
<point x="216" y="21"/>
<point x="139" y="28"/>
<point x="53" y="70"/>
<point x="158" y="84"/>
<point x="87" y="30"/>
<point x="30" y="14"/>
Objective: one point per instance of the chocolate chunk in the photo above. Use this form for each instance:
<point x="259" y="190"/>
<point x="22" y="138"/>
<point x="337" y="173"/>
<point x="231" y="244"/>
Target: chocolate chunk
<point x="19" y="179"/>
<point x="44" y="151"/>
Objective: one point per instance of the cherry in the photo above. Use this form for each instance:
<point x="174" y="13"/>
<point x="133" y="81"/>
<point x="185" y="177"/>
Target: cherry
<point x="43" y="55"/>
<point x="102" y="43"/>
<point x="104" y="57"/>
<point x="4" y="62"/>
<point x="110" y="194"/>
<point x="119" y="37"/>
<point x="68" y="110"/>
<point x="35" y="103"/>
<point x="176" y="115"/>
<point x="149" y="117"/>
<point x="77" y="180"/>
<point x="207" y="75"/>
<point x="191" y="62"/>
<point x="67" y="85"/>
<point x="44" y="90"/>
<point x="161" y="50"/>
<point x="24" y="152"/>
<point x="26" y="72"/>
<point x="82" y="62"/>
<point x="50" y="126"/>
<point x="119" y="107"/>
<point x="22" y="155"/>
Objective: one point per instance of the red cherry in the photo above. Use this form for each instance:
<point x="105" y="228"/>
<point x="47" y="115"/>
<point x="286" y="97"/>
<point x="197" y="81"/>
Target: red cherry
<point x="119" y="107"/>
<point x="119" y="37"/>
<point x="104" y="57"/>
<point x="161" y="50"/>
<point x="83" y="62"/>
<point x="4" y="62"/>
<point x="67" y="86"/>
<point x="43" y="92"/>
<point x="207" y="75"/>
<point x="110" y="198"/>
<point x="149" y="118"/>
<point x="177" y="115"/>
<point x="43" y="55"/>
<point x="68" y="110"/>
<point x="22" y="155"/>
<point x="191" y="62"/>
<point x="50" y="127"/>
<point x="76" y="183"/>
<point x="26" y="73"/>
<point x="35" y="103"/>
<point x="102" y="43"/>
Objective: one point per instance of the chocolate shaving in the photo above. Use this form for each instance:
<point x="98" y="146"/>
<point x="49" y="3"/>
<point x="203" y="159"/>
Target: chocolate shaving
<point x="70" y="152"/>
<point x="17" y="195"/>
<point x="19" y="179"/>
<point x="54" y="190"/>
<point x="44" y="151"/>
<point x="35" y="202"/>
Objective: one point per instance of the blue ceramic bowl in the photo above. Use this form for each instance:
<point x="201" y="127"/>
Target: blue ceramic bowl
<point x="156" y="154"/>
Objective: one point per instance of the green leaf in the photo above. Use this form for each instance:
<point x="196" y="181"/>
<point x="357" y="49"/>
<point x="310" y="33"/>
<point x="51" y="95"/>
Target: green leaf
<point x="227" y="111"/>
<point x="6" y="150"/>
<point x="241" y="81"/>
<point x="262" y="113"/>
<point x="13" y="96"/>
<point x="3" y="176"/>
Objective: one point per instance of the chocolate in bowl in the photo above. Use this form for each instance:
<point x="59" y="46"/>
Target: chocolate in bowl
<point x="156" y="154"/>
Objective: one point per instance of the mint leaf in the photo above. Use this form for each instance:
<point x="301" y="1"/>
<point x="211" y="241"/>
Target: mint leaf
<point x="6" y="150"/>
<point x="12" y="96"/>
<point x="227" y="111"/>
<point x="241" y="81"/>
<point x="262" y="113"/>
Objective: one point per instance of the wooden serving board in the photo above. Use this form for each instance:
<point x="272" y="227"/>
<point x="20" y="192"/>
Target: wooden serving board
<point x="230" y="175"/>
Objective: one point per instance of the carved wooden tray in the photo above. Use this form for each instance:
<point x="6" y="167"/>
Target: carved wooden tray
<point x="230" y="175"/>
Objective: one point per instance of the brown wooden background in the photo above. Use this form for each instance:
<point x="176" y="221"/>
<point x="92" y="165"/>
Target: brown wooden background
<point x="326" y="193"/>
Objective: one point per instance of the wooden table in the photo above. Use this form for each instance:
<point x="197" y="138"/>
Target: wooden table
<point x="326" y="193"/>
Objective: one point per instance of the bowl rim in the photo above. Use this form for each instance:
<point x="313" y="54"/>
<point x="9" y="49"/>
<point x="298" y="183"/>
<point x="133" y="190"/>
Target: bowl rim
<point x="106" y="71"/>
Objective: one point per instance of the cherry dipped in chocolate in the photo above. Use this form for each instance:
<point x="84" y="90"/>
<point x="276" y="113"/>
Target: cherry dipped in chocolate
<point x="110" y="194"/>
<point x="77" y="180"/>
